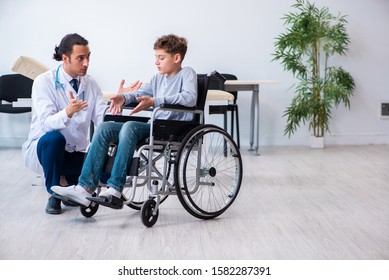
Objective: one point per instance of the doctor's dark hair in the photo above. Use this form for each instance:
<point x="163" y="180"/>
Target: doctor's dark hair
<point x="172" y="44"/>
<point x="66" y="45"/>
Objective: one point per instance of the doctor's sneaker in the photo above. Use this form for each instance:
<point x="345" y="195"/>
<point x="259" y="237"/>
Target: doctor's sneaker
<point x="74" y="193"/>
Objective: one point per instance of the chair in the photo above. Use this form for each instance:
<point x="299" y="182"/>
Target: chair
<point x="218" y="84"/>
<point x="12" y="87"/>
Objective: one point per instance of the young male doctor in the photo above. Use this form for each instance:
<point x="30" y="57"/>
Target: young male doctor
<point x="64" y="102"/>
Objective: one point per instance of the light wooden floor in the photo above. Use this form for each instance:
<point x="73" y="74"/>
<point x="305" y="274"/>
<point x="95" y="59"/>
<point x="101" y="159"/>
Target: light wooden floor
<point x="295" y="203"/>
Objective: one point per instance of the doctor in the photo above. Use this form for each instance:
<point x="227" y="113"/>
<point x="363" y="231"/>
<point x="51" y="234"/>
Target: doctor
<point x="64" y="102"/>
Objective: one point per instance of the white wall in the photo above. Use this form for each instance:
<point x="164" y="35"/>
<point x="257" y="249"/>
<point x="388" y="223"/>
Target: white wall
<point x="229" y="36"/>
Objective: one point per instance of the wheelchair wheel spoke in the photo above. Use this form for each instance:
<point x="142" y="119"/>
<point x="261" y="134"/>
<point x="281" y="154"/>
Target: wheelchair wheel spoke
<point x="208" y="172"/>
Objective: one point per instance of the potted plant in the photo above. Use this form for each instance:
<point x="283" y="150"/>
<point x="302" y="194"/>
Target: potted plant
<point x="312" y="37"/>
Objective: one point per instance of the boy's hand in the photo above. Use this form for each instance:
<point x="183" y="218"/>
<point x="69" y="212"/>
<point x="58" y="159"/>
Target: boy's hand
<point x="145" y="102"/>
<point x="116" y="104"/>
<point x="118" y="100"/>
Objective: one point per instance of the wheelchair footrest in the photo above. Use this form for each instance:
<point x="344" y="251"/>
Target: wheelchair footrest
<point x="67" y="200"/>
<point x="109" y="201"/>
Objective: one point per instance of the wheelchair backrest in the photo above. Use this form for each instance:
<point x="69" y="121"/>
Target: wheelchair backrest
<point x="176" y="130"/>
<point x="202" y="89"/>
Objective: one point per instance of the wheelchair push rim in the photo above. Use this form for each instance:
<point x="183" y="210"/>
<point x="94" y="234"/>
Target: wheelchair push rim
<point x="208" y="172"/>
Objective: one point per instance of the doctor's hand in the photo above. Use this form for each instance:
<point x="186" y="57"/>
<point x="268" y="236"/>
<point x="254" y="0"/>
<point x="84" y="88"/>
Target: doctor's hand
<point x="75" y="105"/>
<point x="145" y="102"/>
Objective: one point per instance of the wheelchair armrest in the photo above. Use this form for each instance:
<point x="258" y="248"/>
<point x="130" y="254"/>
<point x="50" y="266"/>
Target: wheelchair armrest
<point x="130" y="105"/>
<point x="124" y="115"/>
<point x="163" y="105"/>
<point x="127" y="106"/>
<point x="177" y="106"/>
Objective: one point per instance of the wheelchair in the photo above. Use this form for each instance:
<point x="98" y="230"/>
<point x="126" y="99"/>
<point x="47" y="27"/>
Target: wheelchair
<point x="200" y="163"/>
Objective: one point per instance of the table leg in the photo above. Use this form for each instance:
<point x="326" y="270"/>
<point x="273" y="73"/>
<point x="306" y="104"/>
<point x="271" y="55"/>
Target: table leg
<point x="252" y="120"/>
<point x="256" y="94"/>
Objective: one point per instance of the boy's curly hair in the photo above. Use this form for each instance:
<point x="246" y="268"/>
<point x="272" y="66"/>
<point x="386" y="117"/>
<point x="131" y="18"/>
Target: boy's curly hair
<point x="172" y="44"/>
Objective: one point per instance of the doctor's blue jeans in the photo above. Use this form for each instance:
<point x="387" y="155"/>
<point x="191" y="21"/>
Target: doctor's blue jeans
<point x="126" y="135"/>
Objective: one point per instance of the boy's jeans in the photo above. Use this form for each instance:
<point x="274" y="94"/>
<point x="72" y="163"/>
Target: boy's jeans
<point x="127" y="135"/>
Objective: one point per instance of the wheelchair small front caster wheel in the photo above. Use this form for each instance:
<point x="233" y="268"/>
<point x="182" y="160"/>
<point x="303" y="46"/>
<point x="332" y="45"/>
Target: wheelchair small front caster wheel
<point x="147" y="213"/>
<point x="90" y="210"/>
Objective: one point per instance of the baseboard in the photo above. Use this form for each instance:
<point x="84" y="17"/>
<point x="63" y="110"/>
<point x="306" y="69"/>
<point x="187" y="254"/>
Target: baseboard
<point x="268" y="141"/>
<point x="330" y="139"/>
<point x="356" y="139"/>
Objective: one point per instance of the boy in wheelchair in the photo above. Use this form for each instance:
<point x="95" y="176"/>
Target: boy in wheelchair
<point x="173" y="84"/>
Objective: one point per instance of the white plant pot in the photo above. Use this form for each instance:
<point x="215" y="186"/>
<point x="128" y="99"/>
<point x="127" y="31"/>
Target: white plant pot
<point x="317" y="142"/>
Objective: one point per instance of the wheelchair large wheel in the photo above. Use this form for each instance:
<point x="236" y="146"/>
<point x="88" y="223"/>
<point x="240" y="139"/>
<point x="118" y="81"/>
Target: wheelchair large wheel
<point x="208" y="171"/>
<point x="142" y="192"/>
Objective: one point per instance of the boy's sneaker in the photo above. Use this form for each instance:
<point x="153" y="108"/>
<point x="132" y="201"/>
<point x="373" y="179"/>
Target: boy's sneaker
<point x="110" y="198"/>
<point x="110" y="191"/>
<point x="74" y="193"/>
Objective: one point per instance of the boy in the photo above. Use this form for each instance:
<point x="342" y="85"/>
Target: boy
<point x="172" y="84"/>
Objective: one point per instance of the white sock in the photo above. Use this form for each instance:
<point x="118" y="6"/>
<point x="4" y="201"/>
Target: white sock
<point x="114" y="192"/>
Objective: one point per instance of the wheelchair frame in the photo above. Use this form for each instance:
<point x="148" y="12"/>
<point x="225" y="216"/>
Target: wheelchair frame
<point x="206" y="164"/>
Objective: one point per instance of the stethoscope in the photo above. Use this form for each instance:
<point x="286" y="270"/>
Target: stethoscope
<point x="57" y="83"/>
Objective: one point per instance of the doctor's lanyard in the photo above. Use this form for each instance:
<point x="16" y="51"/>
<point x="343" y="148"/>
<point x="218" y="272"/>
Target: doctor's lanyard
<point x="57" y="83"/>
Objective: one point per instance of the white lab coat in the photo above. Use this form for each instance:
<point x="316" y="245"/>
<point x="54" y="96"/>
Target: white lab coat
<point x="50" y="97"/>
